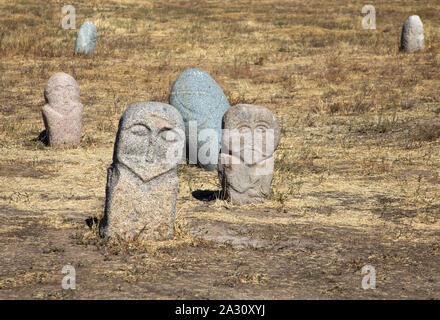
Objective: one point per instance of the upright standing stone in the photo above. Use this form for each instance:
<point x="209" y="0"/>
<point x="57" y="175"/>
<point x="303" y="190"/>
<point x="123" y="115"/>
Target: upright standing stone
<point x="62" y="114"/>
<point x="250" y="136"/>
<point x="86" y="39"/>
<point x="202" y="104"/>
<point x="412" y="35"/>
<point x="142" y="181"/>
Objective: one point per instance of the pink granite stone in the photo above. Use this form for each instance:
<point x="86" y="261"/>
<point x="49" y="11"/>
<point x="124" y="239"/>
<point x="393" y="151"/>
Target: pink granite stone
<point x="62" y="114"/>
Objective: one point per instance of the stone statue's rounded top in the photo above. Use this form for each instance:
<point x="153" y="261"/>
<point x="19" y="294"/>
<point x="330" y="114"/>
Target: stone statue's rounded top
<point x="61" y="88"/>
<point x="89" y="25"/>
<point x="415" y="19"/>
<point x="140" y="111"/>
<point x="198" y="79"/>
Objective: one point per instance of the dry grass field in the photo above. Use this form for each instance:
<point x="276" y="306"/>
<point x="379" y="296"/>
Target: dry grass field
<point x="356" y="177"/>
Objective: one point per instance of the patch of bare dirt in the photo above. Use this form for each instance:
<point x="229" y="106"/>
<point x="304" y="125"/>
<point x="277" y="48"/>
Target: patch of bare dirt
<point x="24" y="169"/>
<point x="233" y="261"/>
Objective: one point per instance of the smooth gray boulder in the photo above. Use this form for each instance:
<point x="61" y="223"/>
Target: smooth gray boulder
<point x="412" y="38"/>
<point x="202" y="104"/>
<point x="86" y="39"/>
<point x="142" y="181"/>
<point x="62" y="113"/>
<point x="250" y="136"/>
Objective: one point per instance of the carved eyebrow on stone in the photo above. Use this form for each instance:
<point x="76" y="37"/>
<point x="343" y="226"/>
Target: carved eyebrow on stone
<point x="166" y="128"/>
<point x="263" y="122"/>
<point x="131" y="125"/>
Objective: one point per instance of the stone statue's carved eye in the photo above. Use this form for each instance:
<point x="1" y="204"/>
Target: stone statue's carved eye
<point x="168" y="134"/>
<point x="261" y="128"/>
<point x="140" y="130"/>
<point x="243" y="128"/>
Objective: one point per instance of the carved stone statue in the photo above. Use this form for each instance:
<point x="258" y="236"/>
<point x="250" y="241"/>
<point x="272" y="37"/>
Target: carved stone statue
<point x="142" y="181"/>
<point x="250" y="136"/>
<point x="62" y="114"/>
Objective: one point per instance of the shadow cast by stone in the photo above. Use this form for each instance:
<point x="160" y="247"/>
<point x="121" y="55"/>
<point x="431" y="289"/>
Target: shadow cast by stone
<point x="42" y="137"/>
<point x="207" y="195"/>
<point x="92" y="221"/>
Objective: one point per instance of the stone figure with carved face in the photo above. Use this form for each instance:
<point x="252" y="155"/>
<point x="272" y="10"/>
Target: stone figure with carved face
<point x="250" y="136"/>
<point x="142" y="182"/>
<point x="62" y="114"/>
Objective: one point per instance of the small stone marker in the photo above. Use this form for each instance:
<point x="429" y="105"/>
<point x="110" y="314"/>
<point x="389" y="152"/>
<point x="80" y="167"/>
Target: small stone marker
<point x="250" y="136"/>
<point x="62" y="114"/>
<point x="202" y="104"/>
<point x="142" y="181"/>
<point x="86" y="39"/>
<point x="412" y="35"/>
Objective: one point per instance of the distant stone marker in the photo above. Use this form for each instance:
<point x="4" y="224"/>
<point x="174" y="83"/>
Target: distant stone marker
<point x="412" y="38"/>
<point x="62" y="114"/>
<point x="202" y="104"/>
<point x="250" y="136"/>
<point x="86" y="39"/>
<point x="142" y="181"/>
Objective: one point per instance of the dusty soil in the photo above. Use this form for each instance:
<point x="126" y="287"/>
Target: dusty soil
<point x="238" y="254"/>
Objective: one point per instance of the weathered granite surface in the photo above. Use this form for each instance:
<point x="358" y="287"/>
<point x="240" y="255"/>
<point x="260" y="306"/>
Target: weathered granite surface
<point x="62" y="113"/>
<point x="250" y="136"/>
<point x="412" y="38"/>
<point x="142" y="181"/>
<point x="202" y="104"/>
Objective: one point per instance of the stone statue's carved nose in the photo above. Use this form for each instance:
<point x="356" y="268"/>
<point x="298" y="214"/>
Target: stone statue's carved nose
<point x="149" y="157"/>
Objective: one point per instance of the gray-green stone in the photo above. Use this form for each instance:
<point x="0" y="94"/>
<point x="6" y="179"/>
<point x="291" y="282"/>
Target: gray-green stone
<point x="86" y="40"/>
<point x="200" y="99"/>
